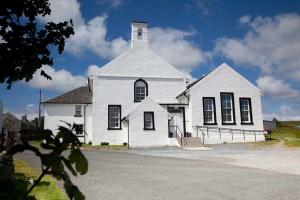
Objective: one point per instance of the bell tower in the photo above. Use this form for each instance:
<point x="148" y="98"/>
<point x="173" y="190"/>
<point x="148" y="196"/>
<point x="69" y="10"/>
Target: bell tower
<point x="139" y="33"/>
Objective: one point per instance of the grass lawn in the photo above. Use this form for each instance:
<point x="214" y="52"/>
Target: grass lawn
<point x="46" y="190"/>
<point x="113" y="147"/>
<point x="89" y="146"/>
<point x="287" y="131"/>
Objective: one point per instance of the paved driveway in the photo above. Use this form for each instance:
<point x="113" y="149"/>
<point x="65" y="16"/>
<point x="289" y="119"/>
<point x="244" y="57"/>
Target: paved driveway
<point x="208" y="175"/>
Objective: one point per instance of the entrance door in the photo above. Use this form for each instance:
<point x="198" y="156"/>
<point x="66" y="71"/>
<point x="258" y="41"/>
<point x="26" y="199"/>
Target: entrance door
<point x="176" y="123"/>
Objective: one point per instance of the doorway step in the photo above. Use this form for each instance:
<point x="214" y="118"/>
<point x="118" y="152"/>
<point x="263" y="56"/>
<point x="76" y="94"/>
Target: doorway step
<point x="189" y="142"/>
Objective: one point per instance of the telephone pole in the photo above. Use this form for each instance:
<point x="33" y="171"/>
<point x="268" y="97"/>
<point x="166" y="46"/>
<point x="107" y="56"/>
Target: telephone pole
<point x="39" y="121"/>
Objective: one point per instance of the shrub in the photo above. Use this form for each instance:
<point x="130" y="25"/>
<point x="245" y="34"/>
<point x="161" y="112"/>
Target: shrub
<point x="104" y="143"/>
<point x="125" y="143"/>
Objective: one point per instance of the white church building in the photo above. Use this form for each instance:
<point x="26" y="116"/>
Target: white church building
<point x="140" y="99"/>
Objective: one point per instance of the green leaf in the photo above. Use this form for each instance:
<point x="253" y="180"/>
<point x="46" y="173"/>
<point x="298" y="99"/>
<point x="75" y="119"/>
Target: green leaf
<point x="54" y="162"/>
<point x="46" y="146"/>
<point x="69" y="165"/>
<point x="72" y="190"/>
<point x="81" y="163"/>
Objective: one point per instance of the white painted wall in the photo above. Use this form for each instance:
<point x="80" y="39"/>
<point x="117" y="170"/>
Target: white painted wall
<point x="140" y="137"/>
<point x="56" y="113"/>
<point x="120" y="91"/>
<point x="224" y="79"/>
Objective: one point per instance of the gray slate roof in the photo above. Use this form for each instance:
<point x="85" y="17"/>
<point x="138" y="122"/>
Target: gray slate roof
<point x="80" y="95"/>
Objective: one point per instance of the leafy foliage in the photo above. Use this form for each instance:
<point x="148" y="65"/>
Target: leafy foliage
<point x="25" y="44"/>
<point x="54" y="160"/>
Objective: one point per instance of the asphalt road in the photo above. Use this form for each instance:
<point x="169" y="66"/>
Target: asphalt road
<point x="127" y="175"/>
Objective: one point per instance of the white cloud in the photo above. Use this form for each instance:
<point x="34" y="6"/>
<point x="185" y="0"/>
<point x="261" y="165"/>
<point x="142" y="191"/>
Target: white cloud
<point x="30" y="110"/>
<point x="92" y="69"/>
<point x="271" y="44"/>
<point x="276" y="88"/>
<point x="64" y="10"/>
<point x="62" y="80"/>
<point x="91" y="37"/>
<point x="285" y="113"/>
<point x="203" y="7"/>
<point x="245" y="19"/>
<point x="111" y="3"/>
<point x="173" y="45"/>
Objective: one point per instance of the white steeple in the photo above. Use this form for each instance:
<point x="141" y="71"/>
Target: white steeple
<point x="139" y="34"/>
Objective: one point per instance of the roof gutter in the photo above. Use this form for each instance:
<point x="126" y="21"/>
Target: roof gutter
<point x="84" y="121"/>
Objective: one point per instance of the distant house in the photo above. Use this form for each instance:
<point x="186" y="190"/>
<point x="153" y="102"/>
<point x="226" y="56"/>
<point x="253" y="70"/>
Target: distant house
<point x="72" y="107"/>
<point x="1" y="115"/>
<point x="140" y="99"/>
<point x="11" y="123"/>
<point x="30" y="124"/>
<point x="270" y="125"/>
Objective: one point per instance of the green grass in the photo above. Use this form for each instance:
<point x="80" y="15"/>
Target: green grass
<point x="113" y="147"/>
<point x="266" y="142"/>
<point x="289" y="132"/>
<point x="46" y="190"/>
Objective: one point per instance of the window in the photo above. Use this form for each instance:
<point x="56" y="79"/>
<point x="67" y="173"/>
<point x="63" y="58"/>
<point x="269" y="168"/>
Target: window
<point x="246" y="111"/>
<point x="139" y="34"/>
<point x="227" y="108"/>
<point x="140" y="90"/>
<point x="78" y="129"/>
<point x="114" y="117"/>
<point x="77" y="111"/>
<point x="209" y="110"/>
<point x="149" y="121"/>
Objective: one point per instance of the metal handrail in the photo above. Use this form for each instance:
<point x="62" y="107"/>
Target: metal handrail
<point x="230" y="130"/>
<point x="181" y="134"/>
<point x="203" y="134"/>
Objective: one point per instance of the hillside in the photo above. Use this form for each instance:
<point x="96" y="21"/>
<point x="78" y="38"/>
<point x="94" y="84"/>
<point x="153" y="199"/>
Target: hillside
<point x="289" y="132"/>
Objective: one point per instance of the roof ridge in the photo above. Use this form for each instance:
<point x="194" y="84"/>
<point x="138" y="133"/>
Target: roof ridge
<point x="78" y="95"/>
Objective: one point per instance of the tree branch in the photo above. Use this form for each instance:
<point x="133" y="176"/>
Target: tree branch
<point x="37" y="181"/>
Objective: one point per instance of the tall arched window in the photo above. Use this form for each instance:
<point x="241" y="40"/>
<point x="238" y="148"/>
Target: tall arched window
<point x="139" y="34"/>
<point x="140" y="90"/>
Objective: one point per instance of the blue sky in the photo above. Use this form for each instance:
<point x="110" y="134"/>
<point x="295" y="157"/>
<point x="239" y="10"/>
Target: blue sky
<point x="259" y="39"/>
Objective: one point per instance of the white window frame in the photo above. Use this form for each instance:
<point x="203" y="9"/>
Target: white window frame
<point x="78" y="112"/>
<point x="140" y="92"/>
<point x="149" y="121"/>
<point x="210" y="109"/>
<point x="246" y="109"/>
<point x="227" y="108"/>
<point x="79" y="129"/>
<point x="114" y="117"/>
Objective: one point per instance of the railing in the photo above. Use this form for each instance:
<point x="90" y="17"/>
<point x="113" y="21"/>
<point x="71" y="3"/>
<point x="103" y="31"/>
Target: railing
<point x="230" y="130"/>
<point x="181" y="134"/>
<point x="202" y="133"/>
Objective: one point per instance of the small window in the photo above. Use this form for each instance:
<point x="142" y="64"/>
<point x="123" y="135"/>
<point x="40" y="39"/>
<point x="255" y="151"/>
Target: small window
<point x="140" y="90"/>
<point x="209" y="110"/>
<point x="246" y="111"/>
<point x="227" y="108"/>
<point x="77" y="110"/>
<point x="149" y="121"/>
<point x="140" y="34"/>
<point x="78" y="129"/>
<point x="114" y="117"/>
